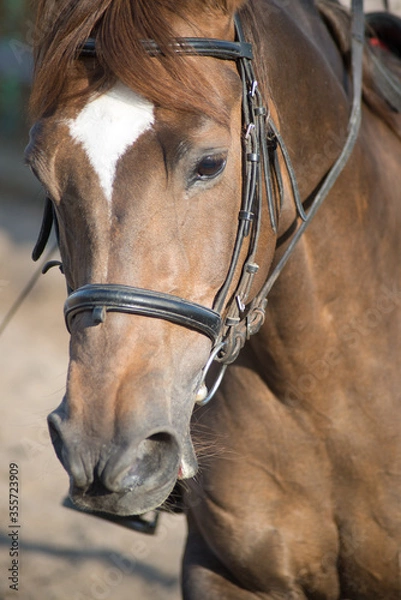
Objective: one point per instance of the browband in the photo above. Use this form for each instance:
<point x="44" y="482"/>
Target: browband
<point x="222" y="49"/>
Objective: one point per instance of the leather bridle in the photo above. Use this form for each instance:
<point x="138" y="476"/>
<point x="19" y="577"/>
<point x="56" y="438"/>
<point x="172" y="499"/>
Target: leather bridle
<point x="262" y="178"/>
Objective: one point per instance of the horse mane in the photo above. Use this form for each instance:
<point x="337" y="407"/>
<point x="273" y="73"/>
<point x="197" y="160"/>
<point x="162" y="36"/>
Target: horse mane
<point x="62" y="26"/>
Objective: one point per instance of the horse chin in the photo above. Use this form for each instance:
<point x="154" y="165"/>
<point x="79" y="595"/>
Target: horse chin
<point x="134" y="502"/>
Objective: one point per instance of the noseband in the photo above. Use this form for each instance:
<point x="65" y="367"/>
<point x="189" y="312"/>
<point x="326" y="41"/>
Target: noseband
<point x="261" y="178"/>
<point x="103" y="298"/>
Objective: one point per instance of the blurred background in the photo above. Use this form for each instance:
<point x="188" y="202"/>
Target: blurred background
<point x="15" y="64"/>
<point x="63" y="555"/>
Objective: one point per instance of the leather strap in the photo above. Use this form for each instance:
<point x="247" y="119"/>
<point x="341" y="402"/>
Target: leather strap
<point x="45" y="230"/>
<point x="222" y="49"/>
<point x="103" y="298"/>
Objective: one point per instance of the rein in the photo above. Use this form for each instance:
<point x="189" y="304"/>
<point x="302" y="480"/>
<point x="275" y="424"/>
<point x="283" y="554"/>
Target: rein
<point x="261" y="173"/>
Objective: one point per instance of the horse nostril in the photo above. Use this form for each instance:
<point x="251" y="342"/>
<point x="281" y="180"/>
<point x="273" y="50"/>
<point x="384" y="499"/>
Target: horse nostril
<point x="162" y="438"/>
<point x="70" y="453"/>
<point x="153" y="459"/>
<point x="155" y="450"/>
<point x="55" y="436"/>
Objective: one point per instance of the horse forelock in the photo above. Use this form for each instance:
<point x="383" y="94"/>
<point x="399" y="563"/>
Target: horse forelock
<point x="119" y="27"/>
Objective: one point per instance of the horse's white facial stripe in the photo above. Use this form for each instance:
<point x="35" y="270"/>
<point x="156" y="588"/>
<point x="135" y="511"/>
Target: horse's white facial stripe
<point x="107" y="126"/>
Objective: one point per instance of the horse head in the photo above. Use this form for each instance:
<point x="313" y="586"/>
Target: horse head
<point x="146" y="193"/>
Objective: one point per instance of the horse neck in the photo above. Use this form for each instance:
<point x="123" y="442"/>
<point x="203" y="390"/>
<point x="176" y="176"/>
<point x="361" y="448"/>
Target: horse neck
<point x="307" y="304"/>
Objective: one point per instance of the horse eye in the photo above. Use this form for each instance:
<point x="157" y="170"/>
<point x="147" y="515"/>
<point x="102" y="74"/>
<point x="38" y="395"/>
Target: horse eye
<point x="210" y="166"/>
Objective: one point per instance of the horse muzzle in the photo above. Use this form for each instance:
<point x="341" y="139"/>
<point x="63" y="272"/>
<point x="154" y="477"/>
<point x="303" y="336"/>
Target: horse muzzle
<point x="127" y="476"/>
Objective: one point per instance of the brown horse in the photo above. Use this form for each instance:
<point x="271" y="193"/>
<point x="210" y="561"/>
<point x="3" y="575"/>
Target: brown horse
<point x="138" y="140"/>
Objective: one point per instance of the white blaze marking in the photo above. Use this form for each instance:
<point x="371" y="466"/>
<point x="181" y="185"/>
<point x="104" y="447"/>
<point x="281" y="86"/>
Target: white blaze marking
<point x="107" y="126"/>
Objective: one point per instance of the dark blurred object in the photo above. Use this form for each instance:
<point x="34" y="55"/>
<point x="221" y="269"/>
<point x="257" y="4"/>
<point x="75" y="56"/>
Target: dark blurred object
<point x="16" y="30"/>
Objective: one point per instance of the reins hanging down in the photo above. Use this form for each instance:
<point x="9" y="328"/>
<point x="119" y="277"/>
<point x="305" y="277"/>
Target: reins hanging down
<point x="262" y="143"/>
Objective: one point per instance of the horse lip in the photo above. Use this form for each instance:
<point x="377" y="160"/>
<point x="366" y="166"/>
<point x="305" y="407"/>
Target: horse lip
<point x="135" y="502"/>
<point x="142" y="497"/>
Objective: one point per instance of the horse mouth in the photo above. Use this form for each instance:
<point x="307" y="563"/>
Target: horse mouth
<point x="145" y="492"/>
<point x="129" y="478"/>
<point x="136" y="501"/>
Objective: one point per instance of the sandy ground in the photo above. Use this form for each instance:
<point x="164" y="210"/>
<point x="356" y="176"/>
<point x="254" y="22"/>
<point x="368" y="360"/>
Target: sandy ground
<point x="63" y="555"/>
